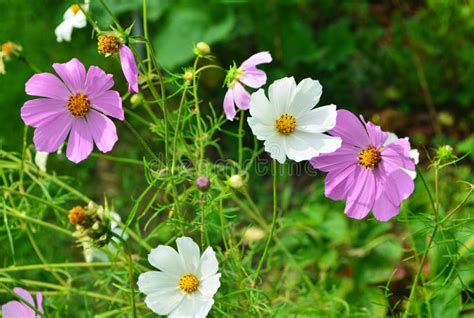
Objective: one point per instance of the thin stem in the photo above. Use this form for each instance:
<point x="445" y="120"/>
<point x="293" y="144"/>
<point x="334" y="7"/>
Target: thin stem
<point x="176" y="130"/>
<point x="210" y="66"/>
<point x="274" y="217"/>
<point x="23" y="158"/>
<point x="241" y="137"/>
<point x="58" y="265"/>
<point x="132" y="282"/>
<point x="106" y="7"/>
<point x="198" y="114"/>
<point x="20" y="215"/>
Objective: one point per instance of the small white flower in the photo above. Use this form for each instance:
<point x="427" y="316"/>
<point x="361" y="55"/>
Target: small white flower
<point x="288" y="124"/>
<point x="73" y="18"/>
<point x="414" y="154"/>
<point x="41" y="158"/>
<point x="92" y="254"/>
<point x="186" y="283"/>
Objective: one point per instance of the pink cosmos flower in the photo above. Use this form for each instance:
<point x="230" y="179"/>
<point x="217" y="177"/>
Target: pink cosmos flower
<point x="247" y="74"/>
<point x="364" y="172"/>
<point x="17" y="309"/>
<point x="129" y="68"/>
<point x="73" y="105"/>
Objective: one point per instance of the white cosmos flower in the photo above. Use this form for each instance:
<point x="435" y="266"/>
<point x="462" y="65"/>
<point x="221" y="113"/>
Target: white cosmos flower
<point x="73" y="18"/>
<point x="186" y="283"/>
<point x="414" y="154"/>
<point x="288" y="124"/>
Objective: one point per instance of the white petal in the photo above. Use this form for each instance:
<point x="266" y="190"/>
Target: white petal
<point x="304" y="146"/>
<point x="41" y="158"/>
<point x="261" y="108"/>
<point x="275" y="145"/>
<point x="167" y="260"/>
<point x="79" y="20"/>
<point x="281" y="94"/>
<point x="193" y="305"/>
<point x="391" y="138"/>
<point x="164" y="302"/>
<point x="306" y="96"/>
<point x="208" y="265"/>
<point x="261" y="130"/>
<point x="318" y="120"/>
<point x="95" y="255"/>
<point x="209" y="286"/>
<point x="63" y="31"/>
<point x="68" y="14"/>
<point x="152" y="282"/>
<point x="190" y="254"/>
<point x="415" y="155"/>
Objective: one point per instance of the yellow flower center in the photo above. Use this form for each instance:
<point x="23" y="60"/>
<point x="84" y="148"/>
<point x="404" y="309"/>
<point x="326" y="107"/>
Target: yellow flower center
<point x="78" y="105"/>
<point x="369" y="158"/>
<point x="77" y="216"/>
<point x="7" y="48"/>
<point x="286" y="124"/>
<point x="108" y="44"/>
<point x="189" y="283"/>
<point x="75" y="8"/>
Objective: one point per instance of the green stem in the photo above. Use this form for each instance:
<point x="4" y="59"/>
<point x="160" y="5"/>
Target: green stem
<point x="23" y="158"/>
<point x="241" y="137"/>
<point x="274" y="217"/>
<point x="58" y="265"/>
<point x="22" y="216"/>
<point x="176" y="131"/>
<point x="106" y="7"/>
<point x="198" y="115"/>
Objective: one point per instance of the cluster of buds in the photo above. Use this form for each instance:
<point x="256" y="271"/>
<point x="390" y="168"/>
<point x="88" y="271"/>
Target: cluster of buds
<point x="93" y="228"/>
<point x="9" y="51"/>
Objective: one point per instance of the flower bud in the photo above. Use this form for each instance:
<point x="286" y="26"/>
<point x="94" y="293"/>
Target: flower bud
<point x="188" y="76"/>
<point x="203" y="183"/>
<point x="136" y="99"/>
<point x="77" y="216"/>
<point x="10" y="49"/>
<point x="202" y="49"/>
<point x="253" y="234"/>
<point x="445" y="153"/>
<point x="236" y="181"/>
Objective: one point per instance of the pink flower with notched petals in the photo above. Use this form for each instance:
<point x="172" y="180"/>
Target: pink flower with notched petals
<point x="74" y="105"/>
<point x="366" y="173"/>
<point x="247" y="74"/>
<point x="17" y="309"/>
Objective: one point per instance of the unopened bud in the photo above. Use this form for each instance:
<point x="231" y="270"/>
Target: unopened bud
<point x="445" y="153"/>
<point x="203" y="183"/>
<point x="136" y="99"/>
<point x="188" y="76"/>
<point x="202" y="49"/>
<point x="236" y="181"/>
<point x="253" y="234"/>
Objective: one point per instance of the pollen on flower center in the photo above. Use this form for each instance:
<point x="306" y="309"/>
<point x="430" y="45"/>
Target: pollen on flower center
<point x="78" y="105"/>
<point x="369" y="158"/>
<point x="189" y="283"/>
<point x="75" y="8"/>
<point x="7" y="48"/>
<point x="77" y="216"/>
<point x="108" y="44"/>
<point x="286" y="124"/>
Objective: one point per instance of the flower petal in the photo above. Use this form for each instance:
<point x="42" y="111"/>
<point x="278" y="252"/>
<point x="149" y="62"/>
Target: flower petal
<point x="209" y="286"/>
<point x="15" y="309"/>
<point x="350" y="129"/>
<point x="241" y="96"/>
<point x="306" y="96"/>
<point x="129" y="68"/>
<point x="398" y="186"/>
<point x="47" y="85"/>
<point x="254" y="77"/>
<point x="190" y="254"/>
<point x="163" y="302"/>
<point x="397" y="155"/>
<point x="376" y="135"/>
<point x="276" y="146"/>
<point x="97" y="82"/>
<point x="261" y="108"/>
<point x="318" y="120"/>
<point x="229" y="107"/>
<point x="50" y="137"/>
<point x="208" y="264"/>
<point x="103" y="130"/>
<point x="304" y="146"/>
<point x="256" y="59"/>
<point x="194" y="305"/>
<point x="167" y="260"/>
<point x="63" y="31"/>
<point x="281" y="94"/>
<point x="80" y="143"/>
<point x="361" y="198"/>
<point x="259" y="129"/>
<point x="41" y="111"/>
<point x="339" y="183"/>
<point x="341" y="158"/>
<point x="109" y="103"/>
<point x="79" y="20"/>
<point x="73" y="73"/>
<point x="151" y="282"/>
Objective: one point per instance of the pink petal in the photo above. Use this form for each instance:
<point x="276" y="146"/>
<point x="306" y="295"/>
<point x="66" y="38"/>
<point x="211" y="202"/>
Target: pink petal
<point x="103" y="131"/>
<point x="38" y="112"/>
<point x="256" y="59"/>
<point x="376" y="135"/>
<point x="97" y="82"/>
<point x="39" y="302"/>
<point x="362" y="196"/>
<point x="384" y="209"/>
<point x="241" y="96"/>
<point x="343" y="157"/>
<point x="25" y="295"/>
<point x="229" y="107"/>
<point x="110" y="103"/>
<point x="350" y="129"/>
<point x="15" y="309"/>
<point x="50" y="137"/>
<point x="397" y="155"/>
<point x="398" y="186"/>
<point x="254" y="77"/>
<point x="47" y="85"/>
<point x="79" y="145"/>
<point x="129" y="68"/>
<point x="73" y="74"/>
<point x="338" y="183"/>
